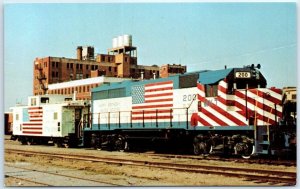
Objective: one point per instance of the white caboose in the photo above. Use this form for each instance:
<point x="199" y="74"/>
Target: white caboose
<point x="49" y="118"/>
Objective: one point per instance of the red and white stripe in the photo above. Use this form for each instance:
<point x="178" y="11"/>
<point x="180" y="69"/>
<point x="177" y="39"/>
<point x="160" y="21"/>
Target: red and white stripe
<point x="35" y="124"/>
<point x="158" y="102"/>
<point x="230" y="109"/>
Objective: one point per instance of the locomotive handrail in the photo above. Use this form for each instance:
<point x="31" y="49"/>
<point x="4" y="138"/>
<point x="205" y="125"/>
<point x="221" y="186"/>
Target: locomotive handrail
<point x="119" y="115"/>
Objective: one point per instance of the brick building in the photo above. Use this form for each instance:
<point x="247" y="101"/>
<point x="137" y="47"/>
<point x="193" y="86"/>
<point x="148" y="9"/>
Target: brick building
<point x="120" y="61"/>
<point x="82" y="87"/>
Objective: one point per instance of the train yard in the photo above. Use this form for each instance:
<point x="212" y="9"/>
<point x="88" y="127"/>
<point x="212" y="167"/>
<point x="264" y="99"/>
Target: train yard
<point x="227" y="121"/>
<point x="85" y="159"/>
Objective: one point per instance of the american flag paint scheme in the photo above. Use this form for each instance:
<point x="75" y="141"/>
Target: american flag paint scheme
<point x="160" y="101"/>
<point x="32" y="121"/>
<point x="152" y="101"/>
<point x="47" y="116"/>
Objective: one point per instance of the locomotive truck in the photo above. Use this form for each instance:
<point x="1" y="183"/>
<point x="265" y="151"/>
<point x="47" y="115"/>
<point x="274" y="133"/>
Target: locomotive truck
<point x="227" y="111"/>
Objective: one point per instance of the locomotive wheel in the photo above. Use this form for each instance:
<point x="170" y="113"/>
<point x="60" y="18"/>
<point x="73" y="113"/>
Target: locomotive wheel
<point x="196" y="149"/>
<point x="245" y="150"/>
<point x="98" y="148"/>
<point x="121" y="145"/>
<point x="247" y="155"/>
<point x="202" y="148"/>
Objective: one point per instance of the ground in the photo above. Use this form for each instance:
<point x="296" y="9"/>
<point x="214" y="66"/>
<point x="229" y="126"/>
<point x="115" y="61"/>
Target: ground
<point x="122" y="175"/>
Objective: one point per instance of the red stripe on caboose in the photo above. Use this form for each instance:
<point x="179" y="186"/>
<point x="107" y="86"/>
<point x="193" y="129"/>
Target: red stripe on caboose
<point x="33" y="132"/>
<point x="35" y="108"/>
<point x="32" y="128"/>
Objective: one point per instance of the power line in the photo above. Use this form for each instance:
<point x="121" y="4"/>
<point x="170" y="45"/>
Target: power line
<point x="248" y="53"/>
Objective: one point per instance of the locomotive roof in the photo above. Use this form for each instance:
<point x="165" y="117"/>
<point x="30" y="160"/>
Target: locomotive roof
<point x="211" y="77"/>
<point x="129" y="83"/>
<point x="204" y="77"/>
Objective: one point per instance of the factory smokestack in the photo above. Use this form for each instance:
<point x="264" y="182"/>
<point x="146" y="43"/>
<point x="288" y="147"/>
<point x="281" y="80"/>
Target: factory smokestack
<point x="79" y="52"/>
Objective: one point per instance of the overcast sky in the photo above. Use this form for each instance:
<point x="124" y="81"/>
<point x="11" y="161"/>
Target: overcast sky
<point x="198" y="35"/>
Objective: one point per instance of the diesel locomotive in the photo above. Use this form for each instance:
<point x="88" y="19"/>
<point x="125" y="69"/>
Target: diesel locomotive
<point x="228" y="111"/>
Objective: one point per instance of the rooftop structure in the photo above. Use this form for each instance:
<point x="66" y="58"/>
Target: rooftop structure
<point x="120" y="61"/>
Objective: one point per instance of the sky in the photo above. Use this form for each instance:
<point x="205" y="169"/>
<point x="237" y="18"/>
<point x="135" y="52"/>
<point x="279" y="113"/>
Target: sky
<point x="202" y="36"/>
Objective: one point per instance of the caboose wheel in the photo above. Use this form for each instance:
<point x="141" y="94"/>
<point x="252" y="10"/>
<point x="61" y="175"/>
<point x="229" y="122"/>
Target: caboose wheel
<point x="58" y="144"/>
<point x="30" y="141"/>
<point x="23" y="141"/>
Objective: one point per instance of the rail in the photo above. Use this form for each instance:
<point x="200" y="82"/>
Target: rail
<point x="267" y="176"/>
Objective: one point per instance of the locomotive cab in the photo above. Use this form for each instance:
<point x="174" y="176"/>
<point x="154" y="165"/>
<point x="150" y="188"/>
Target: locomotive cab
<point x="245" y="78"/>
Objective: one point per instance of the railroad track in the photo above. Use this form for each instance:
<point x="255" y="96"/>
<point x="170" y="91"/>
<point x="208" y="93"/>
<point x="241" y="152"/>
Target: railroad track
<point x="264" y="176"/>
<point x="49" y="174"/>
<point x="290" y="163"/>
<point x="35" y="183"/>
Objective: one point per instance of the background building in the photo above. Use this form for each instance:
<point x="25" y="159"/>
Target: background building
<point x="82" y="88"/>
<point x="120" y="61"/>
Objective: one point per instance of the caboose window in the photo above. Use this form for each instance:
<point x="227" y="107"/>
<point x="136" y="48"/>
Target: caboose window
<point x="211" y="90"/>
<point x="55" y="116"/>
<point x="44" y="100"/>
<point x="33" y="101"/>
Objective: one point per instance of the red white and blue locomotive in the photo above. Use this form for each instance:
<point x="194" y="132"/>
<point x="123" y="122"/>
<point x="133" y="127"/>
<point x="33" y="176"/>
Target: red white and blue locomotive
<point x="228" y="111"/>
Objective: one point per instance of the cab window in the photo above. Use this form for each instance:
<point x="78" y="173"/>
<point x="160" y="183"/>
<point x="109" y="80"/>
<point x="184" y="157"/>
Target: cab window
<point x="211" y="90"/>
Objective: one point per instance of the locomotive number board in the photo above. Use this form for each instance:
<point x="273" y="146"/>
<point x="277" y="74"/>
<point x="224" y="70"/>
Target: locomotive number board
<point x="242" y="75"/>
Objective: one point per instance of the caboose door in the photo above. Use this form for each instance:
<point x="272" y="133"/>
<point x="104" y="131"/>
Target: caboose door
<point x="78" y="122"/>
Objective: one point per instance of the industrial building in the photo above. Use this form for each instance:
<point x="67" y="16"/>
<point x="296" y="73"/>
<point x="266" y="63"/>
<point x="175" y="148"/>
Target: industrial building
<point x="120" y="61"/>
<point x="82" y="88"/>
